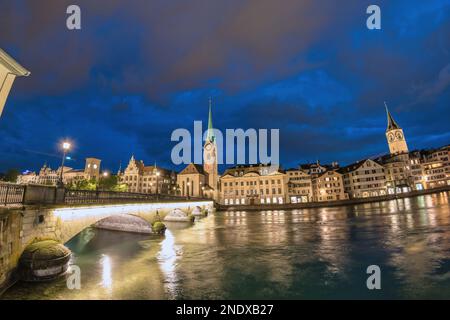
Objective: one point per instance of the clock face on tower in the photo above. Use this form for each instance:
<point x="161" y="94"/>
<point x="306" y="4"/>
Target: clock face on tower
<point x="209" y="155"/>
<point x="391" y="137"/>
<point x="399" y="135"/>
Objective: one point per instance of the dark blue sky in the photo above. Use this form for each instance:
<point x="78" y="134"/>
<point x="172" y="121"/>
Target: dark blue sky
<point x="139" y="69"/>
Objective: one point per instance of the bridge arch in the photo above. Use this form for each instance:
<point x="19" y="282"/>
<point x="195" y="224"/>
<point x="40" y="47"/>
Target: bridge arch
<point x="126" y="223"/>
<point x="70" y="221"/>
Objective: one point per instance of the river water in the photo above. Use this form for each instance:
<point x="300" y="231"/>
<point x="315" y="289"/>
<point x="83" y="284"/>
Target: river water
<point x="288" y="254"/>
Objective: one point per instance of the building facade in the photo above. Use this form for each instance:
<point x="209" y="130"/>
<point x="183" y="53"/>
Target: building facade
<point x="398" y="175"/>
<point x="364" y="179"/>
<point x="140" y="178"/>
<point x="192" y="181"/>
<point x="436" y="168"/>
<point x="299" y="186"/>
<point x="253" y="184"/>
<point x="416" y="170"/>
<point x="49" y="176"/>
<point x="329" y="186"/>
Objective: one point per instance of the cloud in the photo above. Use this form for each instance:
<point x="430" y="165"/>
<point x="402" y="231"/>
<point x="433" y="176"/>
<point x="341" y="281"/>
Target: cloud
<point x="432" y="90"/>
<point x="139" y="69"/>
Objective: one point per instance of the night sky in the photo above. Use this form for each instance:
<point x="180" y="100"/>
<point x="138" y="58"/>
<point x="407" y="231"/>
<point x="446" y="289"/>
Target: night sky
<point x="140" y="69"/>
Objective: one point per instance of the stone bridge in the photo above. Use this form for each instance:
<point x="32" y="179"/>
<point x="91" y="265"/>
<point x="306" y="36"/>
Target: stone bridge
<point x="64" y="223"/>
<point x="42" y="213"/>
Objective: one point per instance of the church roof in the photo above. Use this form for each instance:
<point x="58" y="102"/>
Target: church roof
<point x="12" y="65"/>
<point x="391" y="124"/>
<point x="192" y="168"/>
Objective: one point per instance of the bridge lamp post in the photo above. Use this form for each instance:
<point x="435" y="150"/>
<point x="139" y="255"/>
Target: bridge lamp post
<point x="66" y="147"/>
<point x="105" y="174"/>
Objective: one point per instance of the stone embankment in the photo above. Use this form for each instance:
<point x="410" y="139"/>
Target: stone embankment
<point x="306" y="205"/>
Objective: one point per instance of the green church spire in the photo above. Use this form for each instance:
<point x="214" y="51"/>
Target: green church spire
<point x="210" y="136"/>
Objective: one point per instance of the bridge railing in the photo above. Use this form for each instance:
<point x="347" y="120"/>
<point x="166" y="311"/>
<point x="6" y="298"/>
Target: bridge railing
<point x="93" y="196"/>
<point x="11" y="193"/>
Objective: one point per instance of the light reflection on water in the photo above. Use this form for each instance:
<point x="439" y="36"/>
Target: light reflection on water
<point x="308" y="253"/>
<point x="167" y="258"/>
<point x="106" y="272"/>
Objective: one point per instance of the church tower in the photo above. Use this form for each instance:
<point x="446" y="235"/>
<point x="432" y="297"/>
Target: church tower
<point x="394" y="135"/>
<point x="210" y="156"/>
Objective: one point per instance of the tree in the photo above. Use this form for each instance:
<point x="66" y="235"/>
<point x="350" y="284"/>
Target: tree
<point x="107" y="183"/>
<point x="83" y="184"/>
<point x="111" y="183"/>
<point x="120" y="188"/>
<point x="11" y="175"/>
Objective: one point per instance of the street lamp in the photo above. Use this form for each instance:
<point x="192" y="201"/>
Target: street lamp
<point x="65" y="146"/>
<point x="100" y="183"/>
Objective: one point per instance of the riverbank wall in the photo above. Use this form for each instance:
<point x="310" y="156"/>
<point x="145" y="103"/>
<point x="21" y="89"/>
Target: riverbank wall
<point x="324" y="204"/>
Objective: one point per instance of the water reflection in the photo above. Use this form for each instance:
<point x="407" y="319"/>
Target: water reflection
<point x="105" y="263"/>
<point x="279" y="254"/>
<point x="167" y="258"/>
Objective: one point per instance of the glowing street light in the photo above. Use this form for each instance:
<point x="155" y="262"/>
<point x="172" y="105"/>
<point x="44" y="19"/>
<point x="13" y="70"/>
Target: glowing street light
<point x="66" y="147"/>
